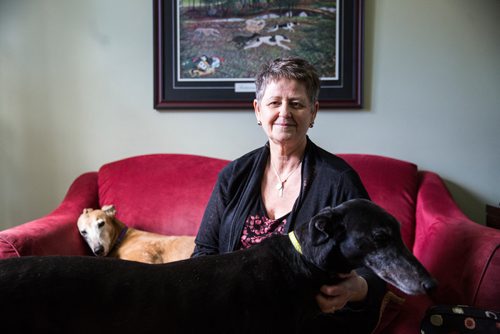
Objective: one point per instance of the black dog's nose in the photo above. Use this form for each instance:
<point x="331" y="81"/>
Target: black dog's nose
<point x="429" y="284"/>
<point x="99" y="250"/>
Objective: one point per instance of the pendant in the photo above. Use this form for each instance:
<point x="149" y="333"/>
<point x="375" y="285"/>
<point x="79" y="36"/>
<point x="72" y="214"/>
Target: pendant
<point x="279" y="187"/>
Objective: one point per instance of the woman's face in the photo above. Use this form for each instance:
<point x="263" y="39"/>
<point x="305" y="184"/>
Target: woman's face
<point x="285" y="111"/>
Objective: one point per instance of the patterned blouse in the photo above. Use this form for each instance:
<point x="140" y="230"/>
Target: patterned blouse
<point x="259" y="227"/>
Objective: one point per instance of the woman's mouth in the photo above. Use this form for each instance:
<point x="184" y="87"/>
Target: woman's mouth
<point x="282" y="123"/>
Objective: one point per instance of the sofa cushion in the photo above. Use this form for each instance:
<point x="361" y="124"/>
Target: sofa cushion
<point x="392" y="184"/>
<point x="162" y="193"/>
<point x="167" y="193"/>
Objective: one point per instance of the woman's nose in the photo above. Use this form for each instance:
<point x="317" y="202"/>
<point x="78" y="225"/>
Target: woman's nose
<point x="284" y="110"/>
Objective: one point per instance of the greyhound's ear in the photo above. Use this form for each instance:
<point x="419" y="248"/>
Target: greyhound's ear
<point x="87" y="210"/>
<point x="109" y="210"/>
<point x="327" y="227"/>
<point x="321" y="235"/>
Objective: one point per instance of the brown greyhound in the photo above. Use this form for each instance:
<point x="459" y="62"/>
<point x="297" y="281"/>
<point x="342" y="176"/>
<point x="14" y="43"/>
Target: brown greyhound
<point x="107" y="236"/>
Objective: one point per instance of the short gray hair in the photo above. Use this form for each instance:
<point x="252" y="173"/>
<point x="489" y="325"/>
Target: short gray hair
<point x="289" y="68"/>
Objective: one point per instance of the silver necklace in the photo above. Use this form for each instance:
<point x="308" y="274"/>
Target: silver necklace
<point x="280" y="186"/>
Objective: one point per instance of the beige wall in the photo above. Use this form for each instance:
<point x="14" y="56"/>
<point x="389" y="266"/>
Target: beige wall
<point x="76" y="92"/>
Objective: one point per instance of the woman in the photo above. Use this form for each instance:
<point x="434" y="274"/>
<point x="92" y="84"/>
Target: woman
<point x="280" y="186"/>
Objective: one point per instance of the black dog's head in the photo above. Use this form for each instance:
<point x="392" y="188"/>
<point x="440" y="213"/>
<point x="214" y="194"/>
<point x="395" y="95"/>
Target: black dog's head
<point x="360" y="233"/>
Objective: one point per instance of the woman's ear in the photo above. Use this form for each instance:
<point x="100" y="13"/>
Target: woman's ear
<point x="256" y="108"/>
<point x="315" y="111"/>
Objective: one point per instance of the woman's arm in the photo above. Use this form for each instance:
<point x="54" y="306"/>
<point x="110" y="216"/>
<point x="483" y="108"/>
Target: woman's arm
<point x="207" y="238"/>
<point x="352" y="288"/>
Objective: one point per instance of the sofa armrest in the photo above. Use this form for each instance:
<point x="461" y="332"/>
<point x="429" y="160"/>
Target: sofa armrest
<point x="55" y="233"/>
<point x="463" y="255"/>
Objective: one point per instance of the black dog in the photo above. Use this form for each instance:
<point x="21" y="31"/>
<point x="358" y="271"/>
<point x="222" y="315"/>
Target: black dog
<point x="268" y="288"/>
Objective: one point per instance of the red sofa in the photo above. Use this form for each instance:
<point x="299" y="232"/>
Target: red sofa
<point x="167" y="193"/>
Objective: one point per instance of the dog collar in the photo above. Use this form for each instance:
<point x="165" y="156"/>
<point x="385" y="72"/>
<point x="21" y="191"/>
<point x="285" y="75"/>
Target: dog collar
<point x="120" y="237"/>
<point x="295" y="242"/>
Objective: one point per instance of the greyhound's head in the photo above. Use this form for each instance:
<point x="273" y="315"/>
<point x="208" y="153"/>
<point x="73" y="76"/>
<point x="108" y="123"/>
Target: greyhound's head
<point x="99" y="229"/>
<point x="359" y="232"/>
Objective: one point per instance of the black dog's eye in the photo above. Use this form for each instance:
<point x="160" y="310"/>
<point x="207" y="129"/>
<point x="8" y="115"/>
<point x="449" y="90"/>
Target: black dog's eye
<point x="100" y="224"/>
<point x="381" y="238"/>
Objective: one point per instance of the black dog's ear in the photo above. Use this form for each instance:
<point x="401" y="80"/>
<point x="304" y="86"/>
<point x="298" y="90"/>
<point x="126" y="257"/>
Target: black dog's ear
<point x="327" y="226"/>
<point x="321" y="235"/>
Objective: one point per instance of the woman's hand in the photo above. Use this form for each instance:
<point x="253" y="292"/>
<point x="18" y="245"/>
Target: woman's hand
<point x="352" y="288"/>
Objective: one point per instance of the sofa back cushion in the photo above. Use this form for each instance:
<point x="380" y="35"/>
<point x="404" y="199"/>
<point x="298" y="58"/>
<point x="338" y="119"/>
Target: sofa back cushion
<point x="161" y="193"/>
<point x="167" y="193"/>
<point x="392" y="184"/>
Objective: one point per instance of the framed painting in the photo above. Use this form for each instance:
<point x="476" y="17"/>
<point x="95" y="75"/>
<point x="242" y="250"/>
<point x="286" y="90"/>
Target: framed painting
<point x="207" y="53"/>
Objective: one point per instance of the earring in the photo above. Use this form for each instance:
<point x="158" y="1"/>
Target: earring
<point x="259" y="123"/>
<point x="311" y="125"/>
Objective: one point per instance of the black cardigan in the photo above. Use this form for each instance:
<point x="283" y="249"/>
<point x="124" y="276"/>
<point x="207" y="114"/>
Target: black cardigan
<point x="327" y="180"/>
